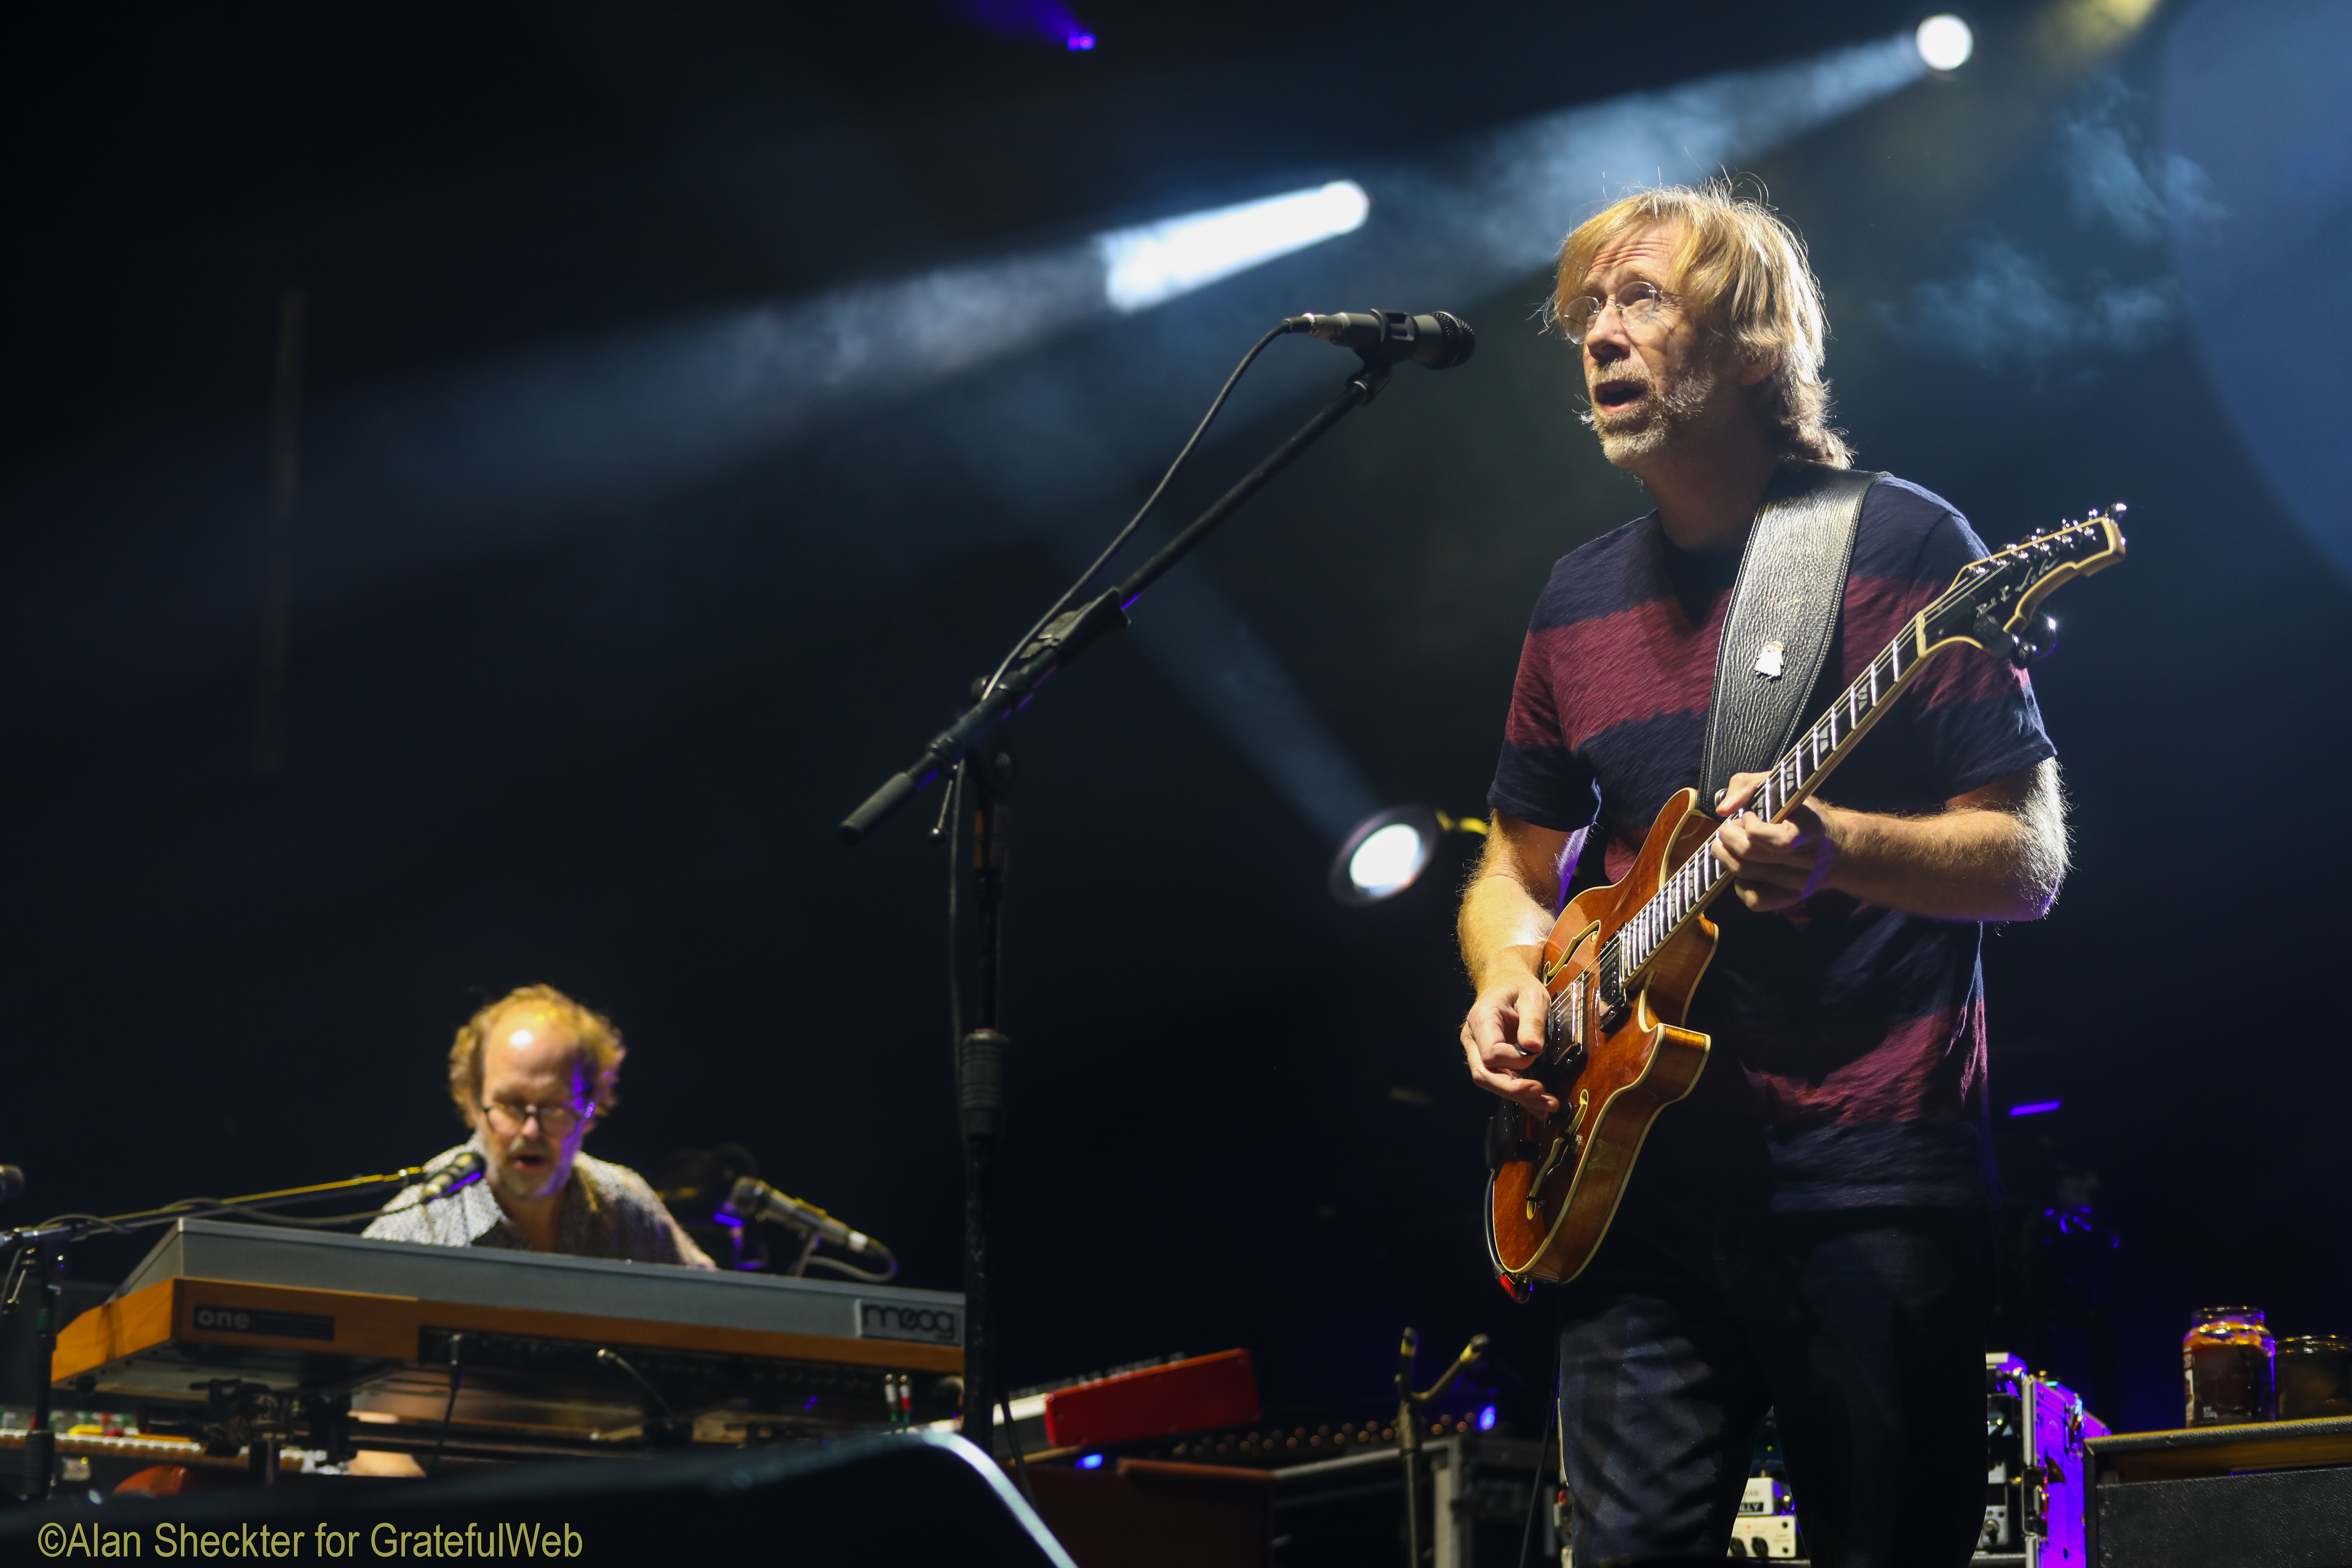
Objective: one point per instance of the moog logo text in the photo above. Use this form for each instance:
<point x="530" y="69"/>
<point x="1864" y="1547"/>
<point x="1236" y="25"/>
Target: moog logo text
<point x="893" y="1321"/>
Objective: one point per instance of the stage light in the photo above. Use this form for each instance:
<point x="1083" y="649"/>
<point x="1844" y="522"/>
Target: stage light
<point x="1384" y="854"/>
<point x="2035" y="1108"/>
<point x="1046" y="21"/>
<point x="1090" y="1461"/>
<point x="1388" y="859"/>
<point x="1487" y="1419"/>
<point x="1155" y="262"/>
<point x="1945" y="42"/>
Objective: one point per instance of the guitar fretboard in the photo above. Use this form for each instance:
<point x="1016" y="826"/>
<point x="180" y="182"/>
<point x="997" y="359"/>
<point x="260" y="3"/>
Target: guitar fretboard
<point x="1687" y="891"/>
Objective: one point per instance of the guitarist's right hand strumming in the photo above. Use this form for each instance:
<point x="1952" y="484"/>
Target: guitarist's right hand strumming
<point x="1994" y="854"/>
<point x="1502" y="929"/>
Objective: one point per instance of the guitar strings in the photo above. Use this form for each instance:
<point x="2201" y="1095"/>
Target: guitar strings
<point x="1659" y="920"/>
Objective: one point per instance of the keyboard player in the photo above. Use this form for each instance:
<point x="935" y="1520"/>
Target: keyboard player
<point x="531" y="1074"/>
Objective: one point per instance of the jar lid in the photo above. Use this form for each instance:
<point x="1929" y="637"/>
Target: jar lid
<point x="2207" y="1314"/>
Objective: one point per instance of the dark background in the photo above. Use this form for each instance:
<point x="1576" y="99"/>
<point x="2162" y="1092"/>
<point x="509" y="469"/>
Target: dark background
<point x="602" y="741"/>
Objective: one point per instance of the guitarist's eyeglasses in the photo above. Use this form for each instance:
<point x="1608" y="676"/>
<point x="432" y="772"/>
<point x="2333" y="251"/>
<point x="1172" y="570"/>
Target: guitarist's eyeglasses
<point x="1638" y="306"/>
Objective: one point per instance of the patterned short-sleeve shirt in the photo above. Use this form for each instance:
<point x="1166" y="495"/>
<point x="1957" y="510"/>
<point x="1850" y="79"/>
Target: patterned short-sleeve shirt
<point x="608" y="1212"/>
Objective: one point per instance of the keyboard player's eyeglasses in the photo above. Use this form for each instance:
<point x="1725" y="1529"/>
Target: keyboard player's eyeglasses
<point x="554" y="1120"/>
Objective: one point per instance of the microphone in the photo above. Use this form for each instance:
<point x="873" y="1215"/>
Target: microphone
<point x="456" y="1176"/>
<point x="1440" y="340"/>
<point x="754" y="1199"/>
<point x="11" y="1181"/>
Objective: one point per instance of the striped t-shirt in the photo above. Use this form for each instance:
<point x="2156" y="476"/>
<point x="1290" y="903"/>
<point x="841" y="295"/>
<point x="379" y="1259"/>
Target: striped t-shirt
<point x="1851" y="1036"/>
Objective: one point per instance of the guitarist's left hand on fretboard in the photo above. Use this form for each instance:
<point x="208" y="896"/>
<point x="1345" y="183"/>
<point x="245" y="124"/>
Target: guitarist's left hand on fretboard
<point x="1775" y="865"/>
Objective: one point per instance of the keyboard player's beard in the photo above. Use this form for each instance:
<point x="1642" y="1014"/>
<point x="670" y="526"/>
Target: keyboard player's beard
<point x="526" y="1168"/>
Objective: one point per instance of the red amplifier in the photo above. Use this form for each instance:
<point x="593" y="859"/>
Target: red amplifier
<point x="1194" y="1396"/>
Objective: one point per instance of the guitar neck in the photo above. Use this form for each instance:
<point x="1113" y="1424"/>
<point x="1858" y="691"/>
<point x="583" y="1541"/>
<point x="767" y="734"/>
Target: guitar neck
<point x="1691" y="888"/>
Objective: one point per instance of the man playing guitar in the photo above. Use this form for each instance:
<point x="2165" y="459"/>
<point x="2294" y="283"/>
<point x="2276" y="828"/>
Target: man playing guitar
<point x="1804" y="1233"/>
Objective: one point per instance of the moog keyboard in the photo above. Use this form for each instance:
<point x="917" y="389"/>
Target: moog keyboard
<point x="545" y="1352"/>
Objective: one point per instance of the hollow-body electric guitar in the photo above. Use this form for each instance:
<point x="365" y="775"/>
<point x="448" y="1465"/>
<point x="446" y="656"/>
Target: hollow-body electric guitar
<point x="1622" y="962"/>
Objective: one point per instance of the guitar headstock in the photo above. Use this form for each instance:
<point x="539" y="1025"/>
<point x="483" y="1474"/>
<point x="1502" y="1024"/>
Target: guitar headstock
<point x="1996" y="603"/>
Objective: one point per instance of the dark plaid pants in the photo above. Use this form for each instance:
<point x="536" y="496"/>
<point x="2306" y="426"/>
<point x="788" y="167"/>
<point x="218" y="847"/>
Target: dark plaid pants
<point x="1862" y="1329"/>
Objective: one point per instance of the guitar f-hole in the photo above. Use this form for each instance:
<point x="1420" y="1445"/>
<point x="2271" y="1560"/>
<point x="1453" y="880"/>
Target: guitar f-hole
<point x="1559" y="1148"/>
<point x="1562" y="1147"/>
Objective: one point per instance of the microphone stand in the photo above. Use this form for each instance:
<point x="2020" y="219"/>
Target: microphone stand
<point x="35" y="1267"/>
<point x="981" y="1055"/>
<point x="1407" y="1429"/>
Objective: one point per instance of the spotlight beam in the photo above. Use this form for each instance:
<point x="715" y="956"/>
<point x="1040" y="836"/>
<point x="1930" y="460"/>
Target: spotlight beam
<point x="447" y="459"/>
<point x="668" y="405"/>
<point x="427" y="475"/>
<point x="1158" y="262"/>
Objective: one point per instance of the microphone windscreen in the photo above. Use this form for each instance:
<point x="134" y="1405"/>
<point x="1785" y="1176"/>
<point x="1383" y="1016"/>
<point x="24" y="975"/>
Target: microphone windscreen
<point x="1445" y="340"/>
<point x="747" y="1200"/>
<point x="460" y="1174"/>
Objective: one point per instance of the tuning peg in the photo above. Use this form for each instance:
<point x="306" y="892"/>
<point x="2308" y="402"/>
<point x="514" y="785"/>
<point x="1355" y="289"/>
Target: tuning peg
<point x="1993" y="638"/>
<point x="2043" y="643"/>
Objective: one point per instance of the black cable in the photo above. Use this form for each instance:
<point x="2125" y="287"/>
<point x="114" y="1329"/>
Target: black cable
<point x="951" y="814"/>
<point x="449" y="1411"/>
<point x="93" y="1219"/>
<point x="1124" y="534"/>
<point x="1020" y="1459"/>
<point x="868" y="1276"/>
<point x="612" y="1357"/>
<point x="950" y="823"/>
<point x="1535" y="1495"/>
<point x="315" y="1221"/>
<point x="20" y="1267"/>
<point x="203" y="1208"/>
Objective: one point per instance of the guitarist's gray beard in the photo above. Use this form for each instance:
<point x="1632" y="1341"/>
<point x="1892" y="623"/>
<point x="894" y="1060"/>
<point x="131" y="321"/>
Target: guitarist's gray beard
<point x="1655" y="424"/>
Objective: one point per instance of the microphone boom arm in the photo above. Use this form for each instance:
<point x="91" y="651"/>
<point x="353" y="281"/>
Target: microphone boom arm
<point x="1071" y="635"/>
<point x="71" y="1228"/>
<point x="35" y="1274"/>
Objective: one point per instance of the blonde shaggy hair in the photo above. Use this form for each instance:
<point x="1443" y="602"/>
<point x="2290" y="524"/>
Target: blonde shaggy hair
<point x="598" y="1060"/>
<point x="1744" y="274"/>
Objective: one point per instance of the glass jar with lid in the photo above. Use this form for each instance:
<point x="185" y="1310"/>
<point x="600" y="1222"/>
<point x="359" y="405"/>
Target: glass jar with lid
<point x="2229" y="1364"/>
<point x="2315" y="1377"/>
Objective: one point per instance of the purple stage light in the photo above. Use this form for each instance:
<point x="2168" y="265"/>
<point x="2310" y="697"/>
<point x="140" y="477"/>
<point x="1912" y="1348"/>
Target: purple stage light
<point x="1046" y="20"/>
<point x="1487" y="1419"/>
<point x="2034" y="1108"/>
<point x="1090" y="1461"/>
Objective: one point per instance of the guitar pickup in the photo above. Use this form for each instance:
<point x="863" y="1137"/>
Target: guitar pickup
<point x="1612" y="980"/>
<point x="1564" y="1024"/>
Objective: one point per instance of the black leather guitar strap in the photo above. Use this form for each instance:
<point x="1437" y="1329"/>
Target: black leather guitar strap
<point x="1782" y="618"/>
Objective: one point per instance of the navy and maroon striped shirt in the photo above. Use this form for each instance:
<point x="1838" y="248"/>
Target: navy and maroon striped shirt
<point x="1851" y="1036"/>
